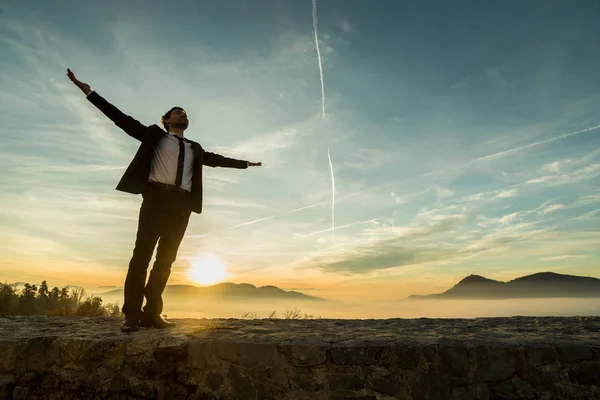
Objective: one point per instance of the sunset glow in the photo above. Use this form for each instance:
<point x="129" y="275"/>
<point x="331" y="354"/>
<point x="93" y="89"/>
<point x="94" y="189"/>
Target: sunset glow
<point x="207" y="270"/>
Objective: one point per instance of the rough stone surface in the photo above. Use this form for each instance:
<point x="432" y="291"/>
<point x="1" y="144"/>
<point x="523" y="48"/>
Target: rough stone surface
<point x="487" y="359"/>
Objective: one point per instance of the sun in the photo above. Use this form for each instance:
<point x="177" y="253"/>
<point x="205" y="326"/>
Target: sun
<point x="207" y="269"/>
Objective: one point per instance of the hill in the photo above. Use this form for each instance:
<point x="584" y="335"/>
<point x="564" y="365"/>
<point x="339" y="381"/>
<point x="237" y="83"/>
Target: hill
<point x="540" y="285"/>
<point x="224" y="291"/>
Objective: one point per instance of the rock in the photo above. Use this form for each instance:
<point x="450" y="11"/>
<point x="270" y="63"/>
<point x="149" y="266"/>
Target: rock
<point x="308" y="381"/>
<point x="21" y="393"/>
<point x="143" y="388"/>
<point x="239" y="385"/>
<point x="247" y="353"/>
<point x="495" y="363"/>
<point x="515" y="388"/>
<point x="386" y="385"/>
<point x="73" y="358"/>
<point x="478" y="391"/>
<point x="7" y="382"/>
<point x="304" y="354"/>
<point x="573" y="353"/>
<point x="344" y="382"/>
<point x="540" y="355"/>
<point x="199" y="352"/>
<point x="454" y="358"/>
<point x="586" y="374"/>
<point x="9" y="358"/>
<point x="431" y="386"/>
<point x="410" y="355"/>
<point x="361" y="352"/>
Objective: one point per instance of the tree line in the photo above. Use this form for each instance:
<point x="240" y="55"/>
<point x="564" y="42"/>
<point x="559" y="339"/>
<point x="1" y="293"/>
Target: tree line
<point x="64" y="302"/>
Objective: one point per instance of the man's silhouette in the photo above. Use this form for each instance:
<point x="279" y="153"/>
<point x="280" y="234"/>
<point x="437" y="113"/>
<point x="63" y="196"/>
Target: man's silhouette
<point x="167" y="172"/>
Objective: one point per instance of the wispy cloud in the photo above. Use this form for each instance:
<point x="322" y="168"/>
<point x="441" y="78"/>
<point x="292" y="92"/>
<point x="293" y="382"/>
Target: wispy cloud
<point x="429" y="179"/>
<point x="552" y="208"/>
<point x="585" y="173"/>
<point x="264" y="143"/>
<point x="562" y="257"/>
<point x="505" y="194"/>
<point x="413" y="246"/>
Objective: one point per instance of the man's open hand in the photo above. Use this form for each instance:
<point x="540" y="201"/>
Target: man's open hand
<point x="85" y="88"/>
<point x="254" y="164"/>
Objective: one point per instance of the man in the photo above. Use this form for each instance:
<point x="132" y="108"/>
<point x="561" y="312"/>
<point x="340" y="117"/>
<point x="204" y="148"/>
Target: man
<point x="167" y="172"/>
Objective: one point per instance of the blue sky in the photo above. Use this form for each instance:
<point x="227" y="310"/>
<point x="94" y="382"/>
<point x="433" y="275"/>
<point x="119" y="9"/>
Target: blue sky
<point x="464" y="138"/>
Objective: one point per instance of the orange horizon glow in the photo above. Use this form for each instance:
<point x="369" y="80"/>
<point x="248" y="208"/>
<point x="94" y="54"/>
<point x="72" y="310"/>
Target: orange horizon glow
<point x="207" y="269"/>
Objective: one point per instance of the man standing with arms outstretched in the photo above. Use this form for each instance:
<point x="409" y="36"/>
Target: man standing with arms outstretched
<point x="167" y="172"/>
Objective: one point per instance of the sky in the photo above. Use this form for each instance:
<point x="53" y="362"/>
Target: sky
<point x="464" y="139"/>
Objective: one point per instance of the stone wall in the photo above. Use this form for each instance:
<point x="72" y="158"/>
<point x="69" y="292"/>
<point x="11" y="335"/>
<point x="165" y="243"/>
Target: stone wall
<point x="491" y="358"/>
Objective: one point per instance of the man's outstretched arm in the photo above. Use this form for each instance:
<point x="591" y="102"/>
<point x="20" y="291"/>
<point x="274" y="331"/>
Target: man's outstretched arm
<point x="128" y="124"/>
<point x="217" y="160"/>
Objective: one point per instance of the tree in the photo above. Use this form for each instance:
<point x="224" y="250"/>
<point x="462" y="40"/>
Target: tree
<point x="62" y="302"/>
<point x="26" y="304"/>
<point x="8" y="298"/>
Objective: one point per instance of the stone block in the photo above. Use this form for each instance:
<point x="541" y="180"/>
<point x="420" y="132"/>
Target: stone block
<point x="360" y="353"/>
<point x="199" y="352"/>
<point x="407" y="356"/>
<point x="478" y="391"/>
<point x="454" y="358"/>
<point x="21" y="393"/>
<point x="248" y="354"/>
<point x="308" y="381"/>
<point x="410" y="355"/>
<point x="143" y="388"/>
<point x="9" y="358"/>
<point x="240" y="386"/>
<point x="537" y="355"/>
<point x="385" y="385"/>
<point x="7" y="382"/>
<point x="585" y="374"/>
<point x="114" y="357"/>
<point x="495" y="363"/>
<point x="341" y="381"/>
<point x="574" y="353"/>
<point x="431" y="386"/>
<point x="304" y="354"/>
<point x="515" y="388"/>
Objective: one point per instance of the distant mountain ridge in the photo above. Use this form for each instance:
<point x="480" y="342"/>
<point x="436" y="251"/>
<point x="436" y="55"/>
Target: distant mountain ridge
<point x="227" y="290"/>
<point x="539" y="285"/>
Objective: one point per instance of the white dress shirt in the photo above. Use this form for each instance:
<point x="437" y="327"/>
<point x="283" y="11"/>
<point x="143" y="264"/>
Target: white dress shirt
<point x="164" y="162"/>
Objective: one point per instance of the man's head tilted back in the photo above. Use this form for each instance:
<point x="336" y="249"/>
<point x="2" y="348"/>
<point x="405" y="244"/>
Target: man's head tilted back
<point x="175" y="118"/>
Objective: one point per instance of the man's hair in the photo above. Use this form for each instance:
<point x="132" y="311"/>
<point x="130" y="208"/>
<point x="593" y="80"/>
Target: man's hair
<point x="167" y="116"/>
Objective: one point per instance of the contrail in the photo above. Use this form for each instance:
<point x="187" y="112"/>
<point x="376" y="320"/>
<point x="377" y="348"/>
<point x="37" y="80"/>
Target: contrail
<point x="316" y="31"/>
<point x="499" y="154"/>
<point x="332" y="199"/>
<point x="552" y="139"/>
<point x="259" y="220"/>
<point x="297" y="235"/>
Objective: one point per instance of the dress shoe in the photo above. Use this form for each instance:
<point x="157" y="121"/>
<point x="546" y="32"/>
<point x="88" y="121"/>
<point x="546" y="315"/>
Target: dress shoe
<point x="130" y="325"/>
<point x="156" y="322"/>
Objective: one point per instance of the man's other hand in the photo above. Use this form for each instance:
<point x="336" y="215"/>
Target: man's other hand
<point x="85" y="88"/>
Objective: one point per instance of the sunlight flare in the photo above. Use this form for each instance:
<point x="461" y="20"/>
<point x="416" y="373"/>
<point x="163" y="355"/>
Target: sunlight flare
<point x="207" y="269"/>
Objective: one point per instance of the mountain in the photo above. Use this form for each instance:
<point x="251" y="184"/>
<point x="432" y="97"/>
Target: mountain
<point x="540" y="285"/>
<point x="224" y="291"/>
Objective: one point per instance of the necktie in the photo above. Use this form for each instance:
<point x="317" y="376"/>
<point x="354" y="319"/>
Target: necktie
<point x="179" y="176"/>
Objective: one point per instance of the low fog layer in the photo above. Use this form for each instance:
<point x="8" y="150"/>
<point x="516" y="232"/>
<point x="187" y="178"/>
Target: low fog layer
<point x="208" y="308"/>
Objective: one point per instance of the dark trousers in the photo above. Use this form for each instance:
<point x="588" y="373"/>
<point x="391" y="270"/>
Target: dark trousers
<point x="164" y="216"/>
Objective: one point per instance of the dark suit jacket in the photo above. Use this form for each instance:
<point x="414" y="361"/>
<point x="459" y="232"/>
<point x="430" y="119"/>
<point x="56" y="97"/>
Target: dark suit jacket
<point x="135" y="178"/>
